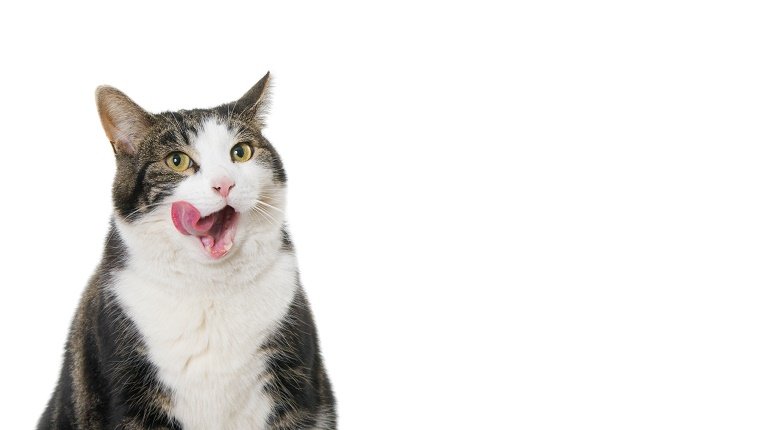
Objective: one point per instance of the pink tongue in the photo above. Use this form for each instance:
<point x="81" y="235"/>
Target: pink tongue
<point x="188" y="219"/>
<point x="216" y="241"/>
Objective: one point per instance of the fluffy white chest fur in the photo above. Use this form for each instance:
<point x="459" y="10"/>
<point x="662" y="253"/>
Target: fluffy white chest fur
<point x="203" y="330"/>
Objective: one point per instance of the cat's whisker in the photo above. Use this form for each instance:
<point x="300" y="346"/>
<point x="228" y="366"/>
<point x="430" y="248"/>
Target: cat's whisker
<point x="270" y="206"/>
<point x="267" y="216"/>
<point x="140" y="210"/>
<point x="257" y="211"/>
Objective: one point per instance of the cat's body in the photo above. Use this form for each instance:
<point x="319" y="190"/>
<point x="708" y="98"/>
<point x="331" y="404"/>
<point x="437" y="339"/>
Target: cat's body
<point x="186" y="327"/>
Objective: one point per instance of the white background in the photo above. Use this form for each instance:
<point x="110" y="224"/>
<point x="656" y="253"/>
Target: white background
<point x="538" y="215"/>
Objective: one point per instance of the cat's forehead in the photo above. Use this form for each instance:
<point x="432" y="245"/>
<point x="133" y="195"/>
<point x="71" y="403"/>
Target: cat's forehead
<point x="198" y="127"/>
<point x="193" y="121"/>
<point x="214" y="132"/>
<point x="213" y="139"/>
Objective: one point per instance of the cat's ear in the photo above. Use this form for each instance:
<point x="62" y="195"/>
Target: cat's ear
<point x="254" y="105"/>
<point x="124" y="122"/>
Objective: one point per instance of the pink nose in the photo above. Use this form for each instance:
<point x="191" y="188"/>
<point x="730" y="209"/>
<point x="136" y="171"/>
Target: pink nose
<point x="223" y="187"/>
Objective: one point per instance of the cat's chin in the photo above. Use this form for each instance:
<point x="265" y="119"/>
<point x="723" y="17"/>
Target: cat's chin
<point x="215" y="232"/>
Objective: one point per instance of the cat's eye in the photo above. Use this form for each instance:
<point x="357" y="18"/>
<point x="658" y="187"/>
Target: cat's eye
<point x="179" y="161"/>
<point x="241" y="152"/>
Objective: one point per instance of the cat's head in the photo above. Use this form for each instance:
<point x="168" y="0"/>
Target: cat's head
<point x="194" y="182"/>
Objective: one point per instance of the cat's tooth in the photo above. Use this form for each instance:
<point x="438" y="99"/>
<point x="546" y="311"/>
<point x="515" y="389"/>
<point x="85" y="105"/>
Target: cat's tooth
<point x="207" y="241"/>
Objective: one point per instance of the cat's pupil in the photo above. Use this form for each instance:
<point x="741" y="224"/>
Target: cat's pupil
<point x="239" y="153"/>
<point x="176" y="160"/>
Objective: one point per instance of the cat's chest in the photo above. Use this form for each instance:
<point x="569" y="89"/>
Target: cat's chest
<point x="205" y="347"/>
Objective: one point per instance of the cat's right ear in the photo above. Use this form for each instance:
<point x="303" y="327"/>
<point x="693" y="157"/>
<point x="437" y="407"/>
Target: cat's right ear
<point x="124" y="122"/>
<point x="253" y="106"/>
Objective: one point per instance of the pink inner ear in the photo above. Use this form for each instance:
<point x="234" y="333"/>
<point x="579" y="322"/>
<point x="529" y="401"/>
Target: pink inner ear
<point x="123" y="146"/>
<point x="123" y="142"/>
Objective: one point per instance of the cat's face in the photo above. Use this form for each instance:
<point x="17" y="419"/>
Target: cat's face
<point x="195" y="182"/>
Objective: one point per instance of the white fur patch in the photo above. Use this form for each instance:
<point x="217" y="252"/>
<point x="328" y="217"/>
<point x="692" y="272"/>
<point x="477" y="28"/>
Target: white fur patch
<point x="204" y="320"/>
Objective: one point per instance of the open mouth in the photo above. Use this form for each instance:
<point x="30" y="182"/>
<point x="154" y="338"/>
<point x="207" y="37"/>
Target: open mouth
<point x="215" y="231"/>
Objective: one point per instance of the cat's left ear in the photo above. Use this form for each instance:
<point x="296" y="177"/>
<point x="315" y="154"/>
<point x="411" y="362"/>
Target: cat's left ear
<point x="254" y="105"/>
<point x="124" y="122"/>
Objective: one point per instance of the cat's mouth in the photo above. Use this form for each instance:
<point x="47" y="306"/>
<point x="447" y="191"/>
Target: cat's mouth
<point x="216" y="231"/>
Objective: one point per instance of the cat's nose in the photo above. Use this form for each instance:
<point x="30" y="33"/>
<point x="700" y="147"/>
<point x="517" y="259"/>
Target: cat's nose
<point x="223" y="186"/>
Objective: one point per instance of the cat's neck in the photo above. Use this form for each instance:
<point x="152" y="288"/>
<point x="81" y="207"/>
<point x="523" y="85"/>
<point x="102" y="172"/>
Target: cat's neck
<point x="161" y="262"/>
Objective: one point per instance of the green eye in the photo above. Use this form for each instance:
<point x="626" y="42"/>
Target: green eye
<point x="178" y="161"/>
<point x="241" y="152"/>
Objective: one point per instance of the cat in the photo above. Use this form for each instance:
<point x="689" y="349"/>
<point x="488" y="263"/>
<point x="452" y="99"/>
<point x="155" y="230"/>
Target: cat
<point x="195" y="317"/>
